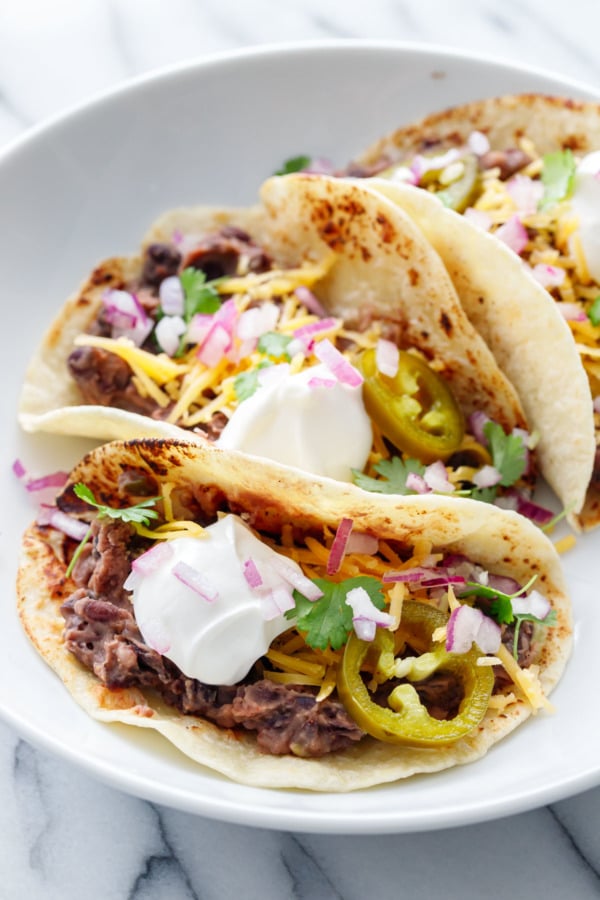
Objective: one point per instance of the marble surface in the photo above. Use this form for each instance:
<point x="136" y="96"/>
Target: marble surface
<point x="64" y="835"/>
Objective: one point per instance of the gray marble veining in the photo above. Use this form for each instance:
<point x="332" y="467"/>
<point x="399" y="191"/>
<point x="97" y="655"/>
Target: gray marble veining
<point x="63" y="834"/>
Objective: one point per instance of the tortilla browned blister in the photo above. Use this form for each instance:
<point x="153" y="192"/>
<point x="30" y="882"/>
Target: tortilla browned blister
<point x="379" y="265"/>
<point x="516" y="316"/>
<point x="273" y="496"/>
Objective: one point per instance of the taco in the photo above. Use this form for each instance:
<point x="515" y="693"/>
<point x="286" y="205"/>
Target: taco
<point x="277" y="320"/>
<point x="524" y="170"/>
<point x="290" y="631"/>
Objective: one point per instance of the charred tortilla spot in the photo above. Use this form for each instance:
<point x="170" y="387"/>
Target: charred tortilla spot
<point x="446" y="323"/>
<point x="102" y="275"/>
<point x="386" y="229"/>
<point x="414" y="276"/>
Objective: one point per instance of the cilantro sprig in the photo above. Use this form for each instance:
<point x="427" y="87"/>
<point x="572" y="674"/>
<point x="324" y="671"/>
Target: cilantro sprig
<point x="274" y="344"/>
<point x="508" y="452"/>
<point x="200" y="295"/>
<point x="593" y="312"/>
<point x="558" y="177"/>
<point x="140" y="513"/>
<point x="394" y="473"/>
<point x="294" y="164"/>
<point x="328" y="621"/>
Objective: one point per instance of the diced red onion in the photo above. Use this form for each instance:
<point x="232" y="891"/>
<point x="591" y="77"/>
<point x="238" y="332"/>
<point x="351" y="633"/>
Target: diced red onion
<point x="387" y="357"/>
<point x="572" y="312"/>
<point x="196" y="581"/>
<point x="52" y="480"/>
<point x="306" y="333"/>
<point x="479" y="218"/>
<point x="320" y="165"/>
<point x="533" y="603"/>
<point x="503" y="583"/>
<point x="478" y="143"/>
<point x="198" y="328"/>
<point x="177" y="236"/>
<point x="365" y="629"/>
<point x="413" y="575"/>
<point x="362" y="543"/>
<point x="477" y="421"/>
<point x="214" y="345"/>
<point x="597" y="404"/>
<point x="19" y="469"/>
<point x="251" y="574"/>
<point x="442" y="581"/>
<point x="331" y="357"/>
<point x="525" y="192"/>
<point x="296" y="578"/>
<point x="487" y="476"/>
<point x="283" y="599"/>
<point x="539" y="514"/>
<point x="364" y="609"/>
<point x="171" y="296"/>
<point x="416" y="483"/>
<point x="308" y="299"/>
<point x="276" y="601"/>
<point x="552" y="276"/>
<point x="255" y="322"/>
<point x="467" y="626"/>
<point x="127" y="316"/>
<point x="150" y="561"/>
<point x="338" y="546"/>
<point x="56" y="518"/>
<point x="168" y="333"/>
<point x="514" y="234"/>
<point x="316" y="382"/>
<point x="436" y="477"/>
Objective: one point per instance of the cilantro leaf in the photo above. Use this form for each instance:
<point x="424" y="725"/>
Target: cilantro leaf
<point x="549" y="621"/>
<point x="275" y="344"/>
<point x="246" y="383"/>
<point x="328" y="621"/>
<point x="484" y="495"/>
<point x="508" y="453"/>
<point x="395" y="471"/>
<point x="200" y="296"/>
<point x="558" y="176"/>
<point x="594" y="311"/>
<point x="501" y="609"/>
<point x="294" y="164"/>
<point x="139" y="513"/>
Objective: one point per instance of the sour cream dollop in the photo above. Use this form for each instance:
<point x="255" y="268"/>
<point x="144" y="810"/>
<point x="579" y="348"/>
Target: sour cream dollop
<point x="586" y="205"/>
<point x="215" y="641"/>
<point x="309" y="420"/>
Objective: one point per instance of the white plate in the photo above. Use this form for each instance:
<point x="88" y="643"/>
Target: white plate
<point x="87" y="186"/>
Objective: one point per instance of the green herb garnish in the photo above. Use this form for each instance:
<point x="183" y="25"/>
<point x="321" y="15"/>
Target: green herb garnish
<point x="200" y="295"/>
<point x="508" y="453"/>
<point x="274" y="344"/>
<point x="558" y="176"/>
<point x="140" y="513"/>
<point x="593" y="312"/>
<point x="328" y="621"/>
<point x="246" y="383"/>
<point x="295" y="164"/>
<point x="395" y="471"/>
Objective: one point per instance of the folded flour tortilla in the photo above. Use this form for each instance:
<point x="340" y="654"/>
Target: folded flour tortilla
<point x="516" y="316"/>
<point x="273" y="498"/>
